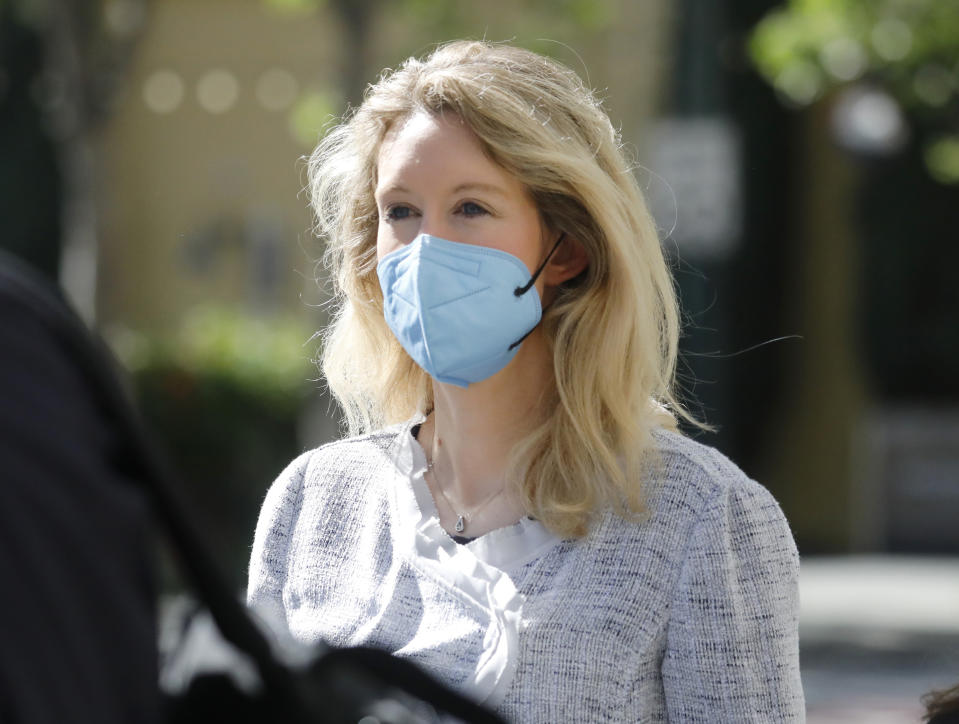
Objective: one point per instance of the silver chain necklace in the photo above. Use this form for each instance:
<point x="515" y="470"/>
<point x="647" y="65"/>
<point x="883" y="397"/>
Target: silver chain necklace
<point x="461" y="518"/>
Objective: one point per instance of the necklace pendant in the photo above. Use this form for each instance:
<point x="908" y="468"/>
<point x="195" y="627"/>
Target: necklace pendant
<point x="460" y="524"/>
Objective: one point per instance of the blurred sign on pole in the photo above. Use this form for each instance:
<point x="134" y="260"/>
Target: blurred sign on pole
<point x="695" y="191"/>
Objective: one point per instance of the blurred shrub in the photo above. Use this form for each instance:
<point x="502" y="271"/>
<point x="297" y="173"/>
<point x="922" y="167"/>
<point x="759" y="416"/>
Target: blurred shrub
<point x="223" y="393"/>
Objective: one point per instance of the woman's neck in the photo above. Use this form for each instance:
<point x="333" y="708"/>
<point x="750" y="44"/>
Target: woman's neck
<point x="472" y="431"/>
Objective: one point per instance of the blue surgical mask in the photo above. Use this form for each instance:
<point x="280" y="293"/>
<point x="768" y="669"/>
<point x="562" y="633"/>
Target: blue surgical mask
<point x="459" y="310"/>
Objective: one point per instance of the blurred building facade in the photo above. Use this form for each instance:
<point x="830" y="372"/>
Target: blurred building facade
<point x="199" y="183"/>
<point x="201" y="173"/>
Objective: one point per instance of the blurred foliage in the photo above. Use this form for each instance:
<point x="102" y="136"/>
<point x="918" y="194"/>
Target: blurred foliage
<point x="423" y="24"/>
<point x="942" y="159"/>
<point x="294" y="7"/>
<point x="311" y="113"/>
<point x="448" y="20"/>
<point x="223" y="393"/>
<point x="905" y="52"/>
<point x="443" y="15"/>
<point x="265" y="357"/>
<point x="909" y="48"/>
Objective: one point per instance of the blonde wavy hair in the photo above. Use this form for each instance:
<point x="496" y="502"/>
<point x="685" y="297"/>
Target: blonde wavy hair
<point x="613" y="330"/>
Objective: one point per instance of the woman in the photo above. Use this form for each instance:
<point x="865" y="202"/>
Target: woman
<point x="517" y="512"/>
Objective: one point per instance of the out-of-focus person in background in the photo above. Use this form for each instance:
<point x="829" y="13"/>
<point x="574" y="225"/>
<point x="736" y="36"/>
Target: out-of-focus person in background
<point x="942" y="707"/>
<point x="517" y="511"/>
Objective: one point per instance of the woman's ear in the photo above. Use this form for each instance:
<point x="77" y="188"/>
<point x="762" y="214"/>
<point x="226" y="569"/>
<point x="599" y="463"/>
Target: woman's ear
<point x="569" y="259"/>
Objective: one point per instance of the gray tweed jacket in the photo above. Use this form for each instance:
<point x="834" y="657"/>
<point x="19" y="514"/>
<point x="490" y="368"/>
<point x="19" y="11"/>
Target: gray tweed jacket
<point x="689" y="615"/>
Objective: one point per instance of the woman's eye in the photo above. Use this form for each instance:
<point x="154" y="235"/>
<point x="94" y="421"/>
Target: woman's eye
<point x="398" y="213"/>
<point x="469" y="208"/>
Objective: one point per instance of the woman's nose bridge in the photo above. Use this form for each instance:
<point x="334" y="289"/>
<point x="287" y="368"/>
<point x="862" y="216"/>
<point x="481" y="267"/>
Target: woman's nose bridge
<point x="435" y="223"/>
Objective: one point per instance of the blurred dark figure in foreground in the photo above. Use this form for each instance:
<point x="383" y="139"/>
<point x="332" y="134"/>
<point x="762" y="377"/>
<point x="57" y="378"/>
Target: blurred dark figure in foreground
<point x="77" y="617"/>
<point x="82" y="487"/>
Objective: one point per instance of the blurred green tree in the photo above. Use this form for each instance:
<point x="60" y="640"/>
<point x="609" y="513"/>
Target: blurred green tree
<point x="907" y="48"/>
<point x="888" y="73"/>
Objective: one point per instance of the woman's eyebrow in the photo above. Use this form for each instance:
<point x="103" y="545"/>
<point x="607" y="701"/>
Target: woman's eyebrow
<point x="458" y="189"/>
<point x="393" y="188"/>
<point x="478" y="186"/>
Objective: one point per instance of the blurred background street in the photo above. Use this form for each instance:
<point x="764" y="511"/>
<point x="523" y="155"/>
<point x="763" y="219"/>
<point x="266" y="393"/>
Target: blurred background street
<point x="877" y="632"/>
<point x="802" y="162"/>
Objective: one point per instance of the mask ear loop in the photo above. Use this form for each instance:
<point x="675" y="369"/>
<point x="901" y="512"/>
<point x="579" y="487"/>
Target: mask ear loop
<point x="520" y="291"/>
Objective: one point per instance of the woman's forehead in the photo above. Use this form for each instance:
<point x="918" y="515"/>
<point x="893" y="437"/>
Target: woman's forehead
<point x="420" y="125"/>
<point x="426" y="144"/>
